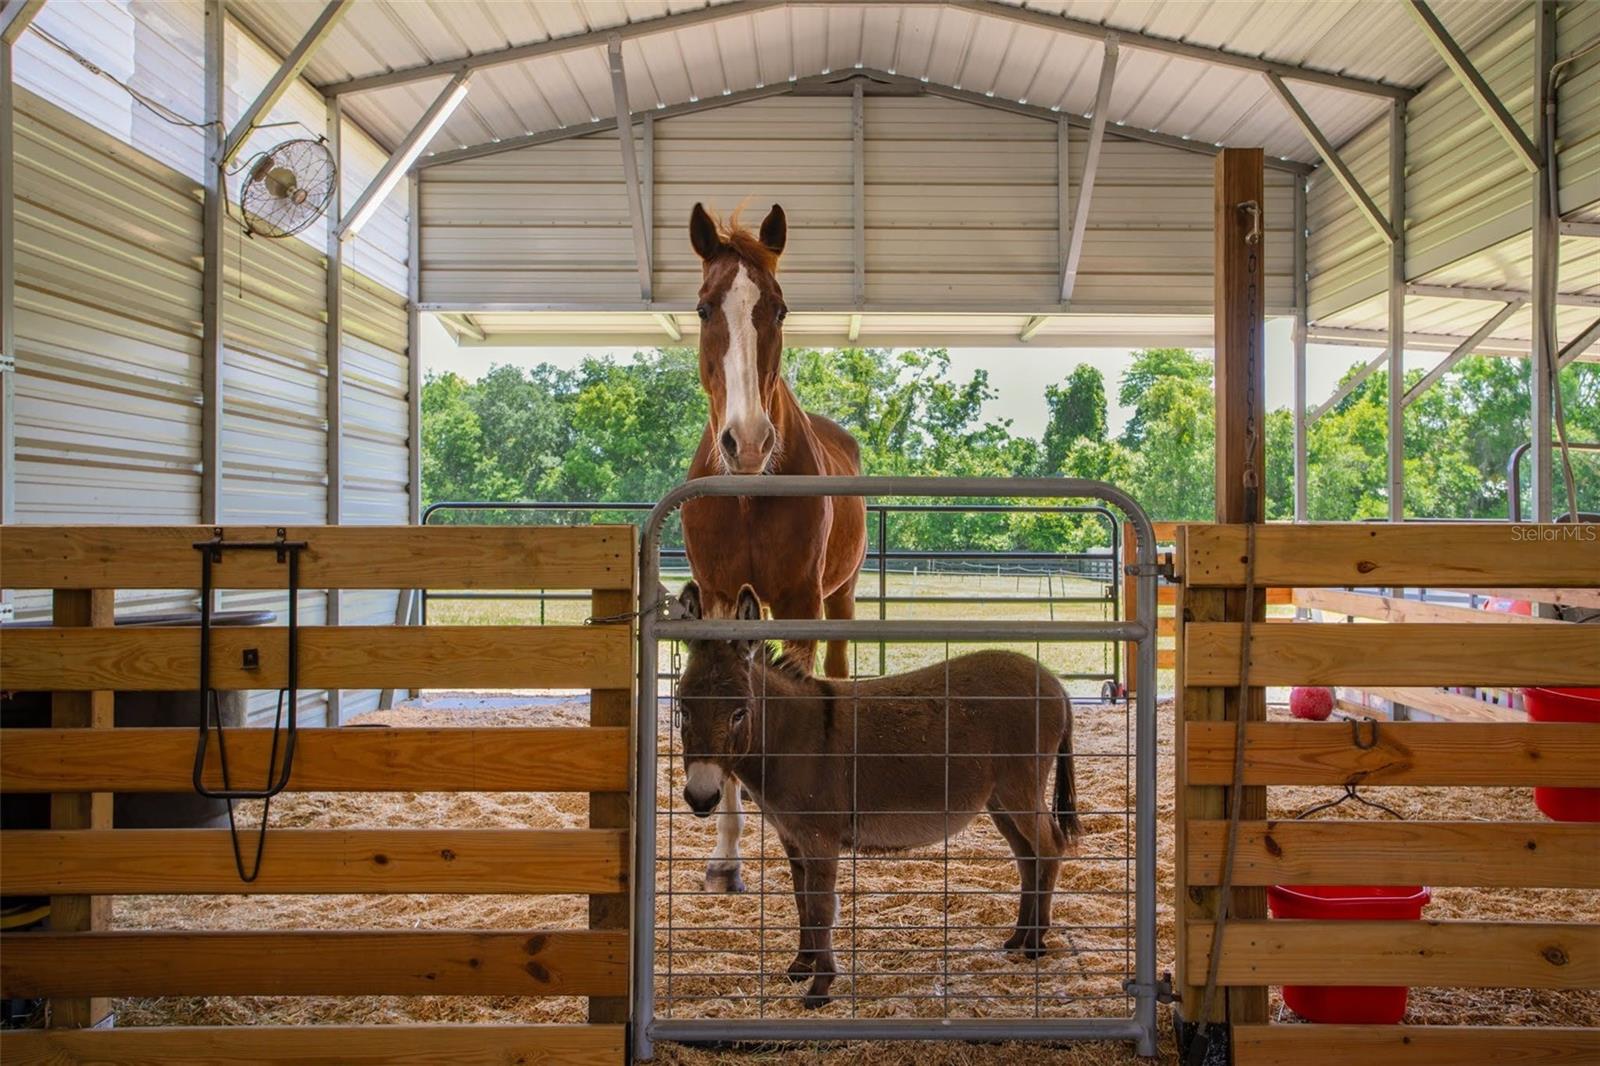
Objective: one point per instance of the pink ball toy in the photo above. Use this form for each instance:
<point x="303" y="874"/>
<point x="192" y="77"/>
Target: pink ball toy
<point x="1312" y="703"/>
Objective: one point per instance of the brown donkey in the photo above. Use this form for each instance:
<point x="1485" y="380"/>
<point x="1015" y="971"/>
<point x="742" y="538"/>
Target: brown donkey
<point x="884" y="764"/>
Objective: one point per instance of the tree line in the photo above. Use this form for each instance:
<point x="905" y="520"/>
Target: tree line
<point x="616" y="431"/>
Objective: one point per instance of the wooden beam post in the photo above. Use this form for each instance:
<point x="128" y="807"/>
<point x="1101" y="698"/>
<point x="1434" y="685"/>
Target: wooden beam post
<point x="613" y="810"/>
<point x="81" y="810"/>
<point x="1238" y="202"/>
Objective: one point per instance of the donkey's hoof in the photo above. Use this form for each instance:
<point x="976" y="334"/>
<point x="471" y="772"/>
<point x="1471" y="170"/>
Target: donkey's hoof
<point x="1030" y="944"/>
<point x="817" y="995"/>
<point x="724" y="879"/>
<point x="800" y="969"/>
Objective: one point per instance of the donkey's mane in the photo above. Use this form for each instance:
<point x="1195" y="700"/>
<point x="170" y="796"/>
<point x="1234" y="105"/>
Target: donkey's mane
<point x="781" y="662"/>
<point x="745" y="242"/>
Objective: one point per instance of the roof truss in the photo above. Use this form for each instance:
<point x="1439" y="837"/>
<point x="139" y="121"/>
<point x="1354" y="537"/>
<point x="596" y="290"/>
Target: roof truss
<point x="986" y="8"/>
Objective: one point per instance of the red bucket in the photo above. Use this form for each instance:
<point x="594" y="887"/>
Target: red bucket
<point x="1347" y="1004"/>
<point x="1565" y="705"/>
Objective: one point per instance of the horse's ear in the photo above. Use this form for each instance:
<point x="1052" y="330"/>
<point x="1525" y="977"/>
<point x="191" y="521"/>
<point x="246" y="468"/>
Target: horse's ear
<point x="703" y="233"/>
<point x="775" y="230"/>
<point x="689" y="599"/>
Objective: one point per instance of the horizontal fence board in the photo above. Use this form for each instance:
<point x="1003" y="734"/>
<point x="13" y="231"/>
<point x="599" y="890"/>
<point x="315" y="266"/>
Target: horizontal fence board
<point x="300" y="861"/>
<point x="1397" y="654"/>
<point x="168" y="659"/>
<point x="1413" y="1045"/>
<point x="350" y="557"/>
<point x="1480" y="854"/>
<point x="352" y="759"/>
<point x="1451" y="706"/>
<point x="1167" y="595"/>
<point x="1399" y="609"/>
<point x="1399" y="555"/>
<point x="318" y="1045"/>
<point x="1423" y="953"/>
<point x="1505" y="754"/>
<point x="1559" y="597"/>
<point x="304" y="963"/>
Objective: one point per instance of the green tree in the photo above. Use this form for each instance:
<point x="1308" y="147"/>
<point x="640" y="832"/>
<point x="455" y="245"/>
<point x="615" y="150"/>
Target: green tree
<point x="1077" y="411"/>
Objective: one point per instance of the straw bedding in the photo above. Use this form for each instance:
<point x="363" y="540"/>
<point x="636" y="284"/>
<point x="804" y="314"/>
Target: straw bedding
<point x="897" y="905"/>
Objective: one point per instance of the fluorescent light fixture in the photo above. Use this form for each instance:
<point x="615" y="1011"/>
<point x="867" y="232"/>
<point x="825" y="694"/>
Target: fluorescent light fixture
<point x="433" y="120"/>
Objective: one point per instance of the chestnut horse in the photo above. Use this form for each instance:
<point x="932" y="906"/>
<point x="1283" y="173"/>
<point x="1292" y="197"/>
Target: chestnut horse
<point x="801" y="555"/>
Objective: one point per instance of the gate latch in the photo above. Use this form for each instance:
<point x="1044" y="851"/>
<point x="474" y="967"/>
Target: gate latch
<point x="1163" y="988"/>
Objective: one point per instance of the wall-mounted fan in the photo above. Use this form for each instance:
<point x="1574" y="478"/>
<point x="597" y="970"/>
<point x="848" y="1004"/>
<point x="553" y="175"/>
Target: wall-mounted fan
<point x="287" y="188"/>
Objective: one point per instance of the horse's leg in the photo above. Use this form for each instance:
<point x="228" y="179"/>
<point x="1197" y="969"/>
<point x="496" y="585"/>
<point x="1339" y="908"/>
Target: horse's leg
<point x="821" y="890"/>
<point x="841" y="604"/>
<point x="722" y="869"/>
<point x="804" y="604"/>
<point x="1023" y="939"/>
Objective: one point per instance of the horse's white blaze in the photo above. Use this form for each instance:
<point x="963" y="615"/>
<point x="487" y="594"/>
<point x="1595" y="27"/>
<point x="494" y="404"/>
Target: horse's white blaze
<point x="739" y="371"/>
<point x="704" y="779"/>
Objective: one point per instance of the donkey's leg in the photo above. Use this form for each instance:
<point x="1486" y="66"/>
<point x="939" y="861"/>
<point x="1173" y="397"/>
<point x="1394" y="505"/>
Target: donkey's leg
<point x="722" y="869"/>
<point x="804" y="958"/>
<point x="1027" y="936"/>
<point x="821" y="884"/>
<point x="842" y="604"/>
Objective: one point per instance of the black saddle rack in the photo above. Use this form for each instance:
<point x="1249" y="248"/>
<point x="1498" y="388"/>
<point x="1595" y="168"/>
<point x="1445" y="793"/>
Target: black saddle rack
<point x="285" y="728"/>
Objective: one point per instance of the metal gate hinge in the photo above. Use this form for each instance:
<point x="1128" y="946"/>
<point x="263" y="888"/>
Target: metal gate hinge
<point x="1163" y="567"/>
<point x="1163" y="988"/>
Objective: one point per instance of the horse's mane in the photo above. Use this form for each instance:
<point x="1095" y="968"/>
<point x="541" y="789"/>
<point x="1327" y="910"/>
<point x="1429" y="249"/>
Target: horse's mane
<point x="745" y="242"/>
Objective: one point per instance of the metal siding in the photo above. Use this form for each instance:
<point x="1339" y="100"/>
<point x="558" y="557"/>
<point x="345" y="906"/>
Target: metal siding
<point x="108" y="312"/>
<point x="1346" y="261"/>
<point x="1578" y="113"/>
<point x="960" y="213"/>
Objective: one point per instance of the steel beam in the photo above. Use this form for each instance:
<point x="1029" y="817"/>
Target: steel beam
<point x="1302" y="315"/>
<point x="1349" y="386"/>
<point x="630" y="165"/>
<point x="1499" y="296"/>
<point x="15" y="18"/>
<point x="1579" y="344"/>
<point x="858" y="195"/>
<point x="403" y="155"/>
<point x="647" y="188"/>
<point x="874" y="82"/>
<point x="1397" y="310"/>
<point x="414" y="350"/>
<point x="334" y="345"/>
<point x="1330" y="156"/>
<point x="1438" y="342"/>
<point x="669" y="325"/>
<point x="1546" y="243"/>
<point x="284" y="78"/>
<point x="8" y="269"/>
<point x="1461" y="351"/>
<point x="461" y="325"/>
<point x="1091" y="163"/>
<point x="1478" y="89"/>
<point x="987" y="8"/>
<point x="213" y="215"/>
<point x="1063" y="197"/>
<point x="1580" y="229"/>
<point x="854" y="331"/>
<point x="1030" y="328"/>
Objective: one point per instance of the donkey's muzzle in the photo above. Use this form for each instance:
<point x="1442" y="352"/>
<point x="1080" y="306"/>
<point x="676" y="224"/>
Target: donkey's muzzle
<point x="702" y="806"/>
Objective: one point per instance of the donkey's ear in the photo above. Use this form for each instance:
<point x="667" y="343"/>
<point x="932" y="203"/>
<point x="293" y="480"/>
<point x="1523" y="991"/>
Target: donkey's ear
<point x="775" y="230"/>
<point x="748" y="608"/>
<point x="689" y="600"/>
<point x="703" y="233"/>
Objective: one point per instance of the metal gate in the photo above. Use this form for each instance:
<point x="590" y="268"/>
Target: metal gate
<point x="708" y="968"/>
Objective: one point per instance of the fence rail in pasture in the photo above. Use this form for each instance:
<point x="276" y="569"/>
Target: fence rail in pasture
<point x="80" y="860"/>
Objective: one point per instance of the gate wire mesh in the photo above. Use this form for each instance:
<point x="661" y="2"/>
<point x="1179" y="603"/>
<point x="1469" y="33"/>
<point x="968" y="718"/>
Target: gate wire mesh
<point x="961" y="761"/>
<point x="919" y="933"/>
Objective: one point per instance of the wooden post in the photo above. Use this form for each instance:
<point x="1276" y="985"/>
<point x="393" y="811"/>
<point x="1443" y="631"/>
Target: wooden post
<point x="612" y="810"/>
<point x="1238" y="204"/>
<point x="81" y="810"/>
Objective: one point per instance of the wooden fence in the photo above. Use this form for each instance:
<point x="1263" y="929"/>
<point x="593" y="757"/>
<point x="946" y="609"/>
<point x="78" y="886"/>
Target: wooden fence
<point x="81" y="860"/>
<point x="1407" y="652"/>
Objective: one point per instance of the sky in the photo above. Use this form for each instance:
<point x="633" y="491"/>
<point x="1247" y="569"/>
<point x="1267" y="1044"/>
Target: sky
<point x="1018" y="375"/>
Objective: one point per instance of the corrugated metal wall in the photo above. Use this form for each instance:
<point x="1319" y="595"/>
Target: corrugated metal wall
<point x="961" y="214"/>
<point x="1465" y="191"/>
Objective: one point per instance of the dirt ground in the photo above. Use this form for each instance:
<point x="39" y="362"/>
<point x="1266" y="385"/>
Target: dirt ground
<point x="727" y="954"/>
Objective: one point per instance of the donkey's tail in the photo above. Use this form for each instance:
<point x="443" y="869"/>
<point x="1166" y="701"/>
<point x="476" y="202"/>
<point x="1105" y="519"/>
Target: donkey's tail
<point x="1066" y="807"/>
